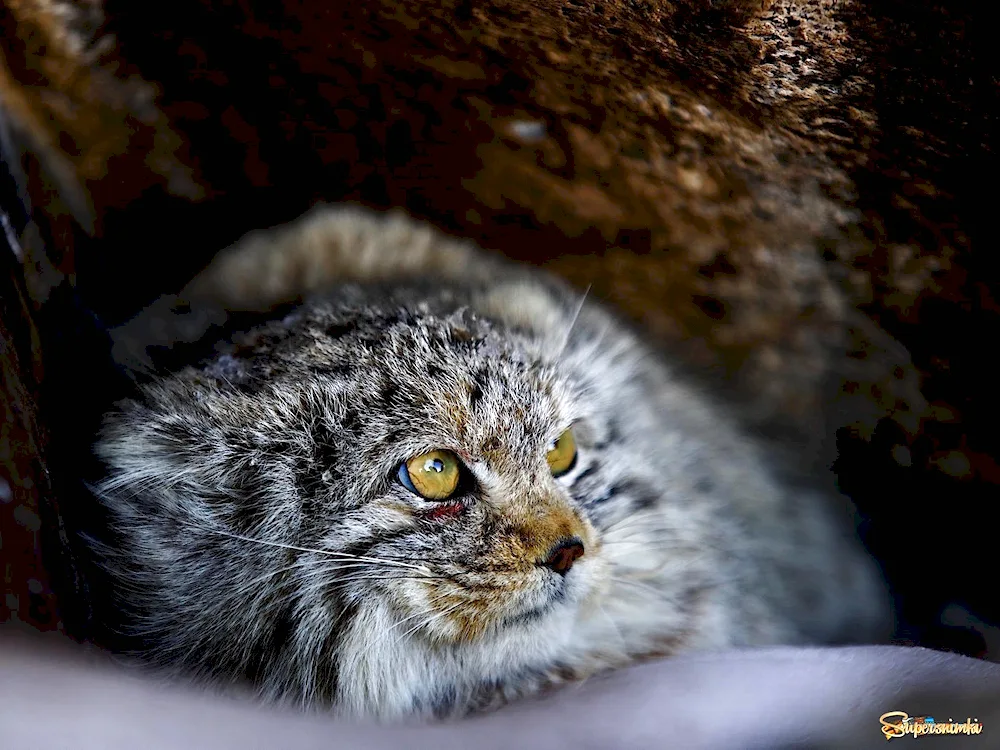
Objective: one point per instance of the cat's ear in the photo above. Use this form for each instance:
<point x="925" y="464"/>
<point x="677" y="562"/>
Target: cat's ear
<point x="227" y="368"/>
<point x="543" y="306"/>
<point x="522" y="304"/>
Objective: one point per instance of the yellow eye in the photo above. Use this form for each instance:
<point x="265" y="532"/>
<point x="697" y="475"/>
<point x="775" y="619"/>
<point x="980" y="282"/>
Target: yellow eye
<point x="562" y="455"/>
<point x="433" y="475"/>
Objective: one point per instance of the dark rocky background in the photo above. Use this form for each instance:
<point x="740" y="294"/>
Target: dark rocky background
<point x="793" y="196"/>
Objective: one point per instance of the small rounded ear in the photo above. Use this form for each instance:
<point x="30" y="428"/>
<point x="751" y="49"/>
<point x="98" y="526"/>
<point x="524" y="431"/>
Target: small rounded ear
<point x="544" y="306"/>
<point x="523" y="304"/>
<point x="227" y="368"/>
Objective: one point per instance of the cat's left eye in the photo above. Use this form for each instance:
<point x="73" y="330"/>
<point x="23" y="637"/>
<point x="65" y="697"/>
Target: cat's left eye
<point x="562" y="454"/>
<point x="433" y="475"/>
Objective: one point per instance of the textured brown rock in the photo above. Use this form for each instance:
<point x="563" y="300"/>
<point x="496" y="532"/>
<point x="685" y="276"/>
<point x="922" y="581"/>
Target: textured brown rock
<point x="78" y="111"/>
<point x="27" y="595"/>
<point x="783" y="192"/>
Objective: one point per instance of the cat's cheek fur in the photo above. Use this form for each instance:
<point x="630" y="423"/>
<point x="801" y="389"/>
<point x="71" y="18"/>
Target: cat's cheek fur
<point x="389" y="670"/>
<point x="390" y="677"/>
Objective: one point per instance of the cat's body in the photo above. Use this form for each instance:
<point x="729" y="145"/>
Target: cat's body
<point x="262" y="532"/>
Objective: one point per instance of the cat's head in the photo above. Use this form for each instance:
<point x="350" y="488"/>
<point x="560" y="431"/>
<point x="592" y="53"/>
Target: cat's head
<point x="355" y="486"/>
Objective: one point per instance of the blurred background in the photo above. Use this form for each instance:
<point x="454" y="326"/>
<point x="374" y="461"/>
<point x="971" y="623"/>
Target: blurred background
<point x="792" y="197"/>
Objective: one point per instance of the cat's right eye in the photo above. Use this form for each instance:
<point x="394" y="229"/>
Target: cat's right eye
<point x="562" y="454"/>
<point x="433" y="475"/>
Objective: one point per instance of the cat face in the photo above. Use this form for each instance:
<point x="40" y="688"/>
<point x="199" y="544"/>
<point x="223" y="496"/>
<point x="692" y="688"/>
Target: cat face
<point x="346" y="484"/>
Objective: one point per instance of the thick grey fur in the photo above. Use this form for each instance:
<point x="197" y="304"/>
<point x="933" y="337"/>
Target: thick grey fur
<point x="260" y="534"/>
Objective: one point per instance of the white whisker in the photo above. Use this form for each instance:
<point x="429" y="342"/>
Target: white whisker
<point x="572" y="323"/>
<point x="381" y="636"/>
<point x="614" y="626"/>
<point x="429" y="620"/>
<point x="343" y="555"/>
<point x="644" y="587"/>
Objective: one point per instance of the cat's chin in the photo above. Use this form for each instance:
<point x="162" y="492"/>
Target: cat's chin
<point x="553" y="601"/>
<point x="424" y="675"/>
<point x="563" y="600"/>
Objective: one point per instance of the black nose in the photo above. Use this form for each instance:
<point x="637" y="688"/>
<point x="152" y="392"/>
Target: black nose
<point x="562" y="556"/>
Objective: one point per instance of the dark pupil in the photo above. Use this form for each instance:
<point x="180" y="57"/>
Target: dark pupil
<point x="435" y="464"/>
